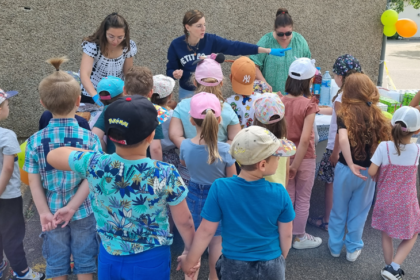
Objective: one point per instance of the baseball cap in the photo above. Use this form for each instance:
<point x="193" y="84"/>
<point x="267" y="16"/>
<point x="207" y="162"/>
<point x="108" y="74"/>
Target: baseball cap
<point x="203" y="101"/>
<point x="134" y="117"/>
<point x="208" y="68"/>
<point x="302" y="68"/>
<point x="409" y="116"/>
<point x="243" y="76"/>
<point x="111" y="84"/>
<point x="268" y="105"/>
<point x="163" y="85"/>
<point x="345" y="63"/>
<point x="254" y="144"/>
<point x="4" y="95"/>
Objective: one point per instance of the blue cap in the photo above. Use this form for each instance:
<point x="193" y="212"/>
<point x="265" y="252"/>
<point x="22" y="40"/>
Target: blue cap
<point x="111" y="84"/>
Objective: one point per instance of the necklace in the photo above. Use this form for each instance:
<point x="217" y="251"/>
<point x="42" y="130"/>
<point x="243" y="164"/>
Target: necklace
<point x="194" y="48"/>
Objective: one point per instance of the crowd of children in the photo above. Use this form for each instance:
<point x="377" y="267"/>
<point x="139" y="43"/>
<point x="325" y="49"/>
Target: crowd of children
<point x="235" y="177"/>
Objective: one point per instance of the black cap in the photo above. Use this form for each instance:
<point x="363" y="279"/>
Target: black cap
<point x="134" y="117"/>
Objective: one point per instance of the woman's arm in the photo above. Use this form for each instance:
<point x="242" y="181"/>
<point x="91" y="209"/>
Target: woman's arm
<point x="305" y="139"/>
<point x="416" y="101"/>
<point x="176" y="132"/>
<point x="85" y="71"/>
<point x="173" y="66"/>
<point x="128" y="64"/>
<point x="232" y="131"/>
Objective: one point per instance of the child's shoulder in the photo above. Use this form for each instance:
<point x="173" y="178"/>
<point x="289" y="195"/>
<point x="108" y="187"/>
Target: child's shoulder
<point x="7" y="133"/>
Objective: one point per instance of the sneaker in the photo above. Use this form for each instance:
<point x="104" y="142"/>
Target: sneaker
<point x="351" y="257"/>
<point x="332" y="254"/>
<point x="30" y="275"/>
<point x="307" y="242"/>
<point x="3" y="267"/>
<point x="388" y="273"/>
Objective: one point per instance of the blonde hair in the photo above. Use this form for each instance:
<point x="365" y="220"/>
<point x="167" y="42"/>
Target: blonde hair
<point x="210" y="128"/>
<point x="216" y="90"/>
<point x="59" y="91"/>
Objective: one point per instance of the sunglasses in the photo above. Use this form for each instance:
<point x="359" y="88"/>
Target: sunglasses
<point x="281" y="34"/>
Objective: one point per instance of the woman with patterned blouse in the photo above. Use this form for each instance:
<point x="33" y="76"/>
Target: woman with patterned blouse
<point x="274" y="70"/>
<point x="108" y="52"/>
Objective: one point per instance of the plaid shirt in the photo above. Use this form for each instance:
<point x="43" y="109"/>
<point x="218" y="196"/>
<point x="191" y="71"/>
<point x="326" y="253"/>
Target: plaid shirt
<point x="60" y="186"/>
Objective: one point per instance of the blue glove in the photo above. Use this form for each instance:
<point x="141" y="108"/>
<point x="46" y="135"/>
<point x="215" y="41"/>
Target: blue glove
<point x="279" y="52"/>
<point x="97" y="101"/>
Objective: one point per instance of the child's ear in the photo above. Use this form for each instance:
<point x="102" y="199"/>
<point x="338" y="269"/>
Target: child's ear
<point x="192" y="121"/>
<point x="40" y="101"/>
<point x="149" y="95"/>
<point x="195" y="83"/>
<point x="221" y="83"/>
<point x="262" y="165"/>
<point x="78" y="101"/>
<point x="124" y="91"/>
<point x="150" y="138"/>
<point x="219" y="120"/>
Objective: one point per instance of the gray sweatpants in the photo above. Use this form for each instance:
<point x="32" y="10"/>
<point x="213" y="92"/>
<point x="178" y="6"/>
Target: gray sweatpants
<point x="228" y="269"/>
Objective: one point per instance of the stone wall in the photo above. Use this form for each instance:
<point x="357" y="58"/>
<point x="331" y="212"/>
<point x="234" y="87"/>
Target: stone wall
<point x="33" y="31"/>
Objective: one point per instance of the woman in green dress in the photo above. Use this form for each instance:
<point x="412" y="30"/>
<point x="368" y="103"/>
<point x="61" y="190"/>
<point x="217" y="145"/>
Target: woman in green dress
<point x="274" y="70"/>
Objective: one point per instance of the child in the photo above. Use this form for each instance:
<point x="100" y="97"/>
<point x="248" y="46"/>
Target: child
<point x="138" y="81"/>
<point x="12" y="222"/>
<point x="243" y="84"/>
<point x="207" y="160"/>
<point x="396" y="211"/>
<point x="269" y="113"/>
<point x="344" y="66"/>
<point x="53" y="189"/>
<point x="300" y="116"/>
<point x="130" y="193"/>
<point x="361" y="126"/>
<point x="252" y="211"/>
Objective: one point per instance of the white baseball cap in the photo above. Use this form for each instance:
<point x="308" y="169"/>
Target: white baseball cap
<point x="409" y="116"/>
<point x="302" y="69"/>
<point x="163" y="85"/>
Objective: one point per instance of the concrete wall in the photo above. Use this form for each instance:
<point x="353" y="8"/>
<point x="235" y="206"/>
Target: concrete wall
<point x="33" y="31"/>
<point x="414" y="14"/>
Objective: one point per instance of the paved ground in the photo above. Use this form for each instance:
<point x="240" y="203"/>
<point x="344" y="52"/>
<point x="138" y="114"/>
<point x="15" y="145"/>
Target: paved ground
<point x="403" y="60"/>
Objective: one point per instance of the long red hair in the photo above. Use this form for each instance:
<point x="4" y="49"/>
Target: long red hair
<point x="365" y="123"/>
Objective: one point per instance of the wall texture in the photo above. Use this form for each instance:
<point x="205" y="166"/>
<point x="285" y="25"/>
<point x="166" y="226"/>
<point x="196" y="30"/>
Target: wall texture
<point x="33" y="31"/>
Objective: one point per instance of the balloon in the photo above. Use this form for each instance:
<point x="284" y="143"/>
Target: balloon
<point x="389" y="17"/>
<point x="387" y="115"/>
<point x="21" y="155"/>
<point x="406" y="27"/>
<point x="24" y="176"/>
<point x="390" y="30"/>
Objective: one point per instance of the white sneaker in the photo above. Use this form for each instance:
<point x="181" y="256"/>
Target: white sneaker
<point x="30" y="275"/>
<point x="351" y="257"/>
<point x="332" y="254"/>
<point x="307" y="242"/>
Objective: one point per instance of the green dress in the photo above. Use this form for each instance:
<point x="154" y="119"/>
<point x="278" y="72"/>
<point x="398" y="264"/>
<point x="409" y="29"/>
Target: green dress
<point x="276" y="69"/>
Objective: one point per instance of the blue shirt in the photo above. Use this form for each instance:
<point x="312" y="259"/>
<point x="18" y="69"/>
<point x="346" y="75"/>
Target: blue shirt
<point x="196" y="156"/>
<point x="130" y="199"/>
<point x="249" y="212"/>
<point x="180" y="57"/>
<point x="182" y="112"/>
<point x="47" y="116"/>
<point x="60" y="186"/>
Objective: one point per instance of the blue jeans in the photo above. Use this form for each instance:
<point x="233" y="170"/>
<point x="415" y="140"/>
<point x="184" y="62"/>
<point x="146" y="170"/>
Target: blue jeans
<point x="152" y="264"/>
<point x="352" y="199"/>
<point x="78" y="238"/>
<point x="183" y="93"/>
<point x="197" y="195"/>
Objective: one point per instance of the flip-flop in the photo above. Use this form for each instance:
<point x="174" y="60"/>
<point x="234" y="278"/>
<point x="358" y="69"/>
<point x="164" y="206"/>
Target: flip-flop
<point x="313" y="222"/>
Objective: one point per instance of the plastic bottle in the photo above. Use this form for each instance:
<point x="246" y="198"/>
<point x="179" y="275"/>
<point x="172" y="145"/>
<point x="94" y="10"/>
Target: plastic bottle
<point x="325" y="89"/>
<point x="317" y="83"/>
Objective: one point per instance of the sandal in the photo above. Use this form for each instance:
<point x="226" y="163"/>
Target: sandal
<point x="315" y="222"/>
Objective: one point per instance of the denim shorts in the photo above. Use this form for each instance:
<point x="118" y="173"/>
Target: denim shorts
<point x="197" y="195"/>
<point x="78" y="238"/>
<point x="250" y="270"/>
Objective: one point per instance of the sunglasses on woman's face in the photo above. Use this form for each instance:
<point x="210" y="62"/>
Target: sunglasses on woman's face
<point x="281" y="34"/>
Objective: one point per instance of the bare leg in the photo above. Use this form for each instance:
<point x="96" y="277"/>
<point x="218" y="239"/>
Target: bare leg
<point x="215" y="251"/>
<point x="60" y="278"/>
<point x="328" y="201"/>
<point x="404" y="249"/>
<point x="388" y="248"/>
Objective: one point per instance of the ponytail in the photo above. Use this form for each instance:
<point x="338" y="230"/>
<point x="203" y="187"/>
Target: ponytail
<point x="398" y="134"/>
<point x="210" y="128"/>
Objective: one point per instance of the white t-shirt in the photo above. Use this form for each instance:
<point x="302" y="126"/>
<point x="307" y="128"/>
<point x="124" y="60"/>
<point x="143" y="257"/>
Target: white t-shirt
<point x="333" y="126"/>
<point x="9" y="145"/>
<point x="103" y="66"/>
<point x="407" y="157"/>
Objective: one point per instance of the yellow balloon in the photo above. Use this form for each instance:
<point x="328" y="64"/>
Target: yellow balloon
<point x="387" y="115"/>
<point x="389" y="17"/>
<point x="406" y="27"/>
<point x="21" y="155"/>
<point x="390" y="30"/>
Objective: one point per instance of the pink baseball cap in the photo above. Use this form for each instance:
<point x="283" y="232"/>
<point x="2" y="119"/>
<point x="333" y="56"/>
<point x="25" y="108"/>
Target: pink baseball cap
<point x="208" y="68"/>
<point x="203" y="101"/>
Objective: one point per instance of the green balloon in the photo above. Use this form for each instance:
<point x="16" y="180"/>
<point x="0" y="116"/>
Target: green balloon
<point x="21" y="155"/>
<point x="390" y="30"/>
<point x="389" y="17"/>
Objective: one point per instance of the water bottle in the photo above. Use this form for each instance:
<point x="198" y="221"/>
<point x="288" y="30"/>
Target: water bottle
<point x="325" y="89"/>
<point x="317" y="82"/>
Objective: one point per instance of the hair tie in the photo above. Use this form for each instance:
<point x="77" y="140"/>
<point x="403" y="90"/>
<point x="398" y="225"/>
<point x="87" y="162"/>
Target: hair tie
<point x="58" y="69"/>
<point x="369" y="103"/>
<point x="404" y="129"/>
<point x="283" y="12"/>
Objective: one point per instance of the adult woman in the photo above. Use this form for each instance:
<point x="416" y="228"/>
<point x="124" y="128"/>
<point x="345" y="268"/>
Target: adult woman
<point x="108" y="52"/>
<point x="184" y="50"/>
<point x="274" y="70"/>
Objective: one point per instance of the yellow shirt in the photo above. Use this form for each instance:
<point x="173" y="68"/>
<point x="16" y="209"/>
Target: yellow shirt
<point x="280" y="175"/>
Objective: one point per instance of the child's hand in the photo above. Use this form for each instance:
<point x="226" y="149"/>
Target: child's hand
<point x="356" y="171"/>
<point x="187" y="268"/>
<point x="334" y="159"/>
<point x="47" y="223"/>
<point x="292" y="172"/>
<point x="63" y="215"/>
